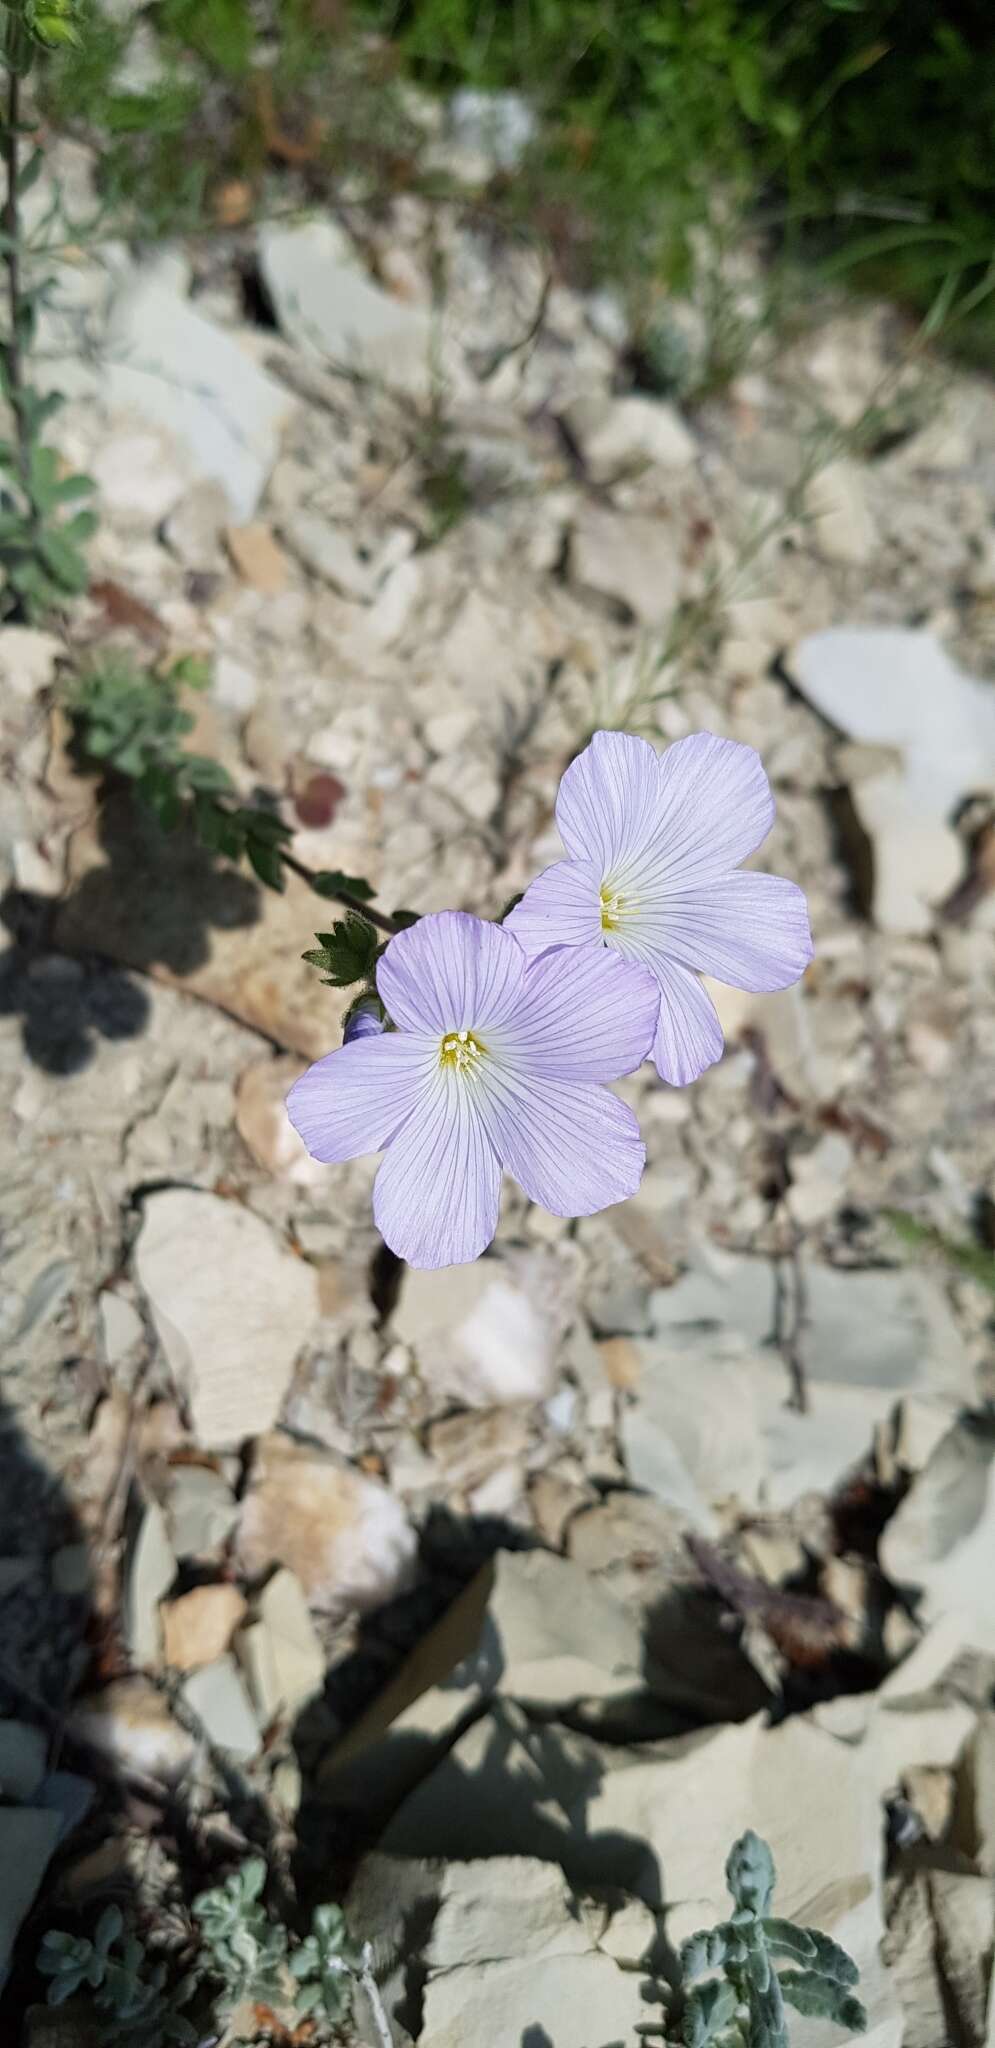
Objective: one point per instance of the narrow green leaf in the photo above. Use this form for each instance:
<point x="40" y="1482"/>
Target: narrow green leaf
<point x="266" y="863"/>
<point x="787" y="1939"/>
<point x="332" y="882"/>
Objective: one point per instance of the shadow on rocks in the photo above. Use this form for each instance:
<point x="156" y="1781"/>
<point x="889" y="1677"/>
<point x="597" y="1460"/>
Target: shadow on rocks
<point x="49" y="1807"/>
<point x="151" y="902"/>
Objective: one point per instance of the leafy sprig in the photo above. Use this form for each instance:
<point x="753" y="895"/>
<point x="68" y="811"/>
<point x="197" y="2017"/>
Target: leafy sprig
<point x="134" y="723"/>
<point x="743" y="2006"/>
<point x="42" y="536"/>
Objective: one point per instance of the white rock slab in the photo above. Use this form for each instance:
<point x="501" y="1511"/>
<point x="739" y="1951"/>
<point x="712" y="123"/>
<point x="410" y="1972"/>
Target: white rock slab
<point x="327" y="305"/>
<point x="892" y="688"/>
<point x="165" y="362"/>
<point x="232" y="1306"/>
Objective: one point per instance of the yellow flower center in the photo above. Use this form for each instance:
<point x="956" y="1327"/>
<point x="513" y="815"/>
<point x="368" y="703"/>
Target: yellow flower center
<point x="614" y="908"/>
<point x="461" y="1050"/>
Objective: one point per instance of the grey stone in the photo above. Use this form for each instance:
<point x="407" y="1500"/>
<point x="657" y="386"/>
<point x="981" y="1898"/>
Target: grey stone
<point x="218" y="1697"/>
<point x="23" y="1756"/>
<point x="328" y="306"/>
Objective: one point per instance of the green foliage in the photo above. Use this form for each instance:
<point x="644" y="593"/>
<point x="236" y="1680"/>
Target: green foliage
<point x="243" y="1946"/>
<point x="744" y="2005"/>
<point x="244" y="1955"/>
<point x="134" y="723"/>
<point x="42" y="537"/>
<point x="129" y="1994"/>
<point x="223" y="83"/>
<point x="658" y="120"/>
<point x="971" y="1259"/>
<point x="347" y="953"/>
<point x="323" y="1965"/>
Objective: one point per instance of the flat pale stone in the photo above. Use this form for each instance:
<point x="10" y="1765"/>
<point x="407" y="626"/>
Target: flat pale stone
<point x="218" y="1697"/>
<point x="281" y="1651"/>
<point x="199" y="1626"/>
<point x="231" y="1347"/>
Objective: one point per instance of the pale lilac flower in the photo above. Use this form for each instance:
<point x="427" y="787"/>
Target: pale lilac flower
<point x="496" y="1061"/>
<point x="654" y="841"/>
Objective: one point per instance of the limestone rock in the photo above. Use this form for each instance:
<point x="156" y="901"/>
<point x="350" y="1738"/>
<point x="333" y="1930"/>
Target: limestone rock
<point x="216" y="1694"/>
<point x="199" y="1626"/>
<point x="232" y="1350"/>
<point x="633" y="432"/>
<point x="263" y="1123"/>
<point x="176" y="369"/>
<point x="843" y="529"/>
<point x="281" y="1651"/>
<point x="164" y="906"/>
<point x="327" y="305"/>
<point x="941" y="1539"/>
<point x="150" y="1574"/>
<point x="130" y="1722"/>
<point x="347" y="1539"/>
<point x="899" y="689"/>
<point x="481" y="1333"/>
<point x="629" y="559"/>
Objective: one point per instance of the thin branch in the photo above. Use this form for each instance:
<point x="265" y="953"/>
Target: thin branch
<point x="12" y="265"/>
<point x="343" y="896"/>
<point x="376" y="2004"/>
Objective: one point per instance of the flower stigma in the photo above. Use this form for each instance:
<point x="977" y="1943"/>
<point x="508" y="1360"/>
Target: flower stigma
<point x="461" y="1051"/>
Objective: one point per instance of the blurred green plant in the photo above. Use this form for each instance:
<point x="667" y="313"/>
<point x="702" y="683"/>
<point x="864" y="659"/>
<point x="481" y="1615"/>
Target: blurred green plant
<point x="970" y="1259"/>
<point x="742" y="2003"/>
<point x="129" y="1994"/>
<point x="41" y="536"/>
<point x="244" y="1958"/>
<point x="133" y="723"/>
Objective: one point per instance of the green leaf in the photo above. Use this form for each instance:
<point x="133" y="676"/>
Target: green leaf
<point x="30" y="173"/>
<point x="705" y="1951"/>
<point x="75" y="486"/>
<point x="822" y="1998"/>
<point x="707" y="2009"/>
<point x="62" y="559"/>
<point x="830" y="1959"/>
<point x="750" y="1873"/>
<point x="207" y="777"/>
<point x="787" y="1939"/>
<point x="266" y="863"/>
<point x="348" y="951"/>
<point x="332" y="882"/>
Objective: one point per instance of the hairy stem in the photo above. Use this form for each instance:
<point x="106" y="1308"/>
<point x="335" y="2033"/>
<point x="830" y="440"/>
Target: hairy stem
<point x="12" y="266"/>
<point x="376" y="2004"/>
<point x="348" y="902"/>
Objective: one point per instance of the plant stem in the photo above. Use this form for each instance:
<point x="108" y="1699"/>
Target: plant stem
<point x="371" y="1988"/>
<point x="349" y="902"/>
<point x="12" y="265"/>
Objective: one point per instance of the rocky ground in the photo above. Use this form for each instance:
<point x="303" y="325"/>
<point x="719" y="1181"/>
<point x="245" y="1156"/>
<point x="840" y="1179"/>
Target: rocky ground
<point x="645" y="1528"/>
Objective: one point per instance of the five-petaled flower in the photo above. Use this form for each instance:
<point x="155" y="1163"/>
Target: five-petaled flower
<point x="654" y="844"/>
<point x="495" y="1060"/>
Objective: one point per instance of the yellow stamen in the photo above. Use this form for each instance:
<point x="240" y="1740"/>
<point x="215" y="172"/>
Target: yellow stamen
<point x="461" y="1050"/>
<point x="613" y="908"/>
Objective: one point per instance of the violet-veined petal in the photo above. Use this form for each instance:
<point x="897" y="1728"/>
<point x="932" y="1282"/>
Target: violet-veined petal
<point x="609" y="799"/>
<point x="749" y="930"/>
<point x="436" y="1194"/>
<point x="585" y="1015"/>
<point x="562" y="907"/>
<point x="573" y="1147"/>
<point x="354" y="1099"/>
<point x="450" y="971"/>
<point x="688" y="1035"/>
<point x="714" y="806"/>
